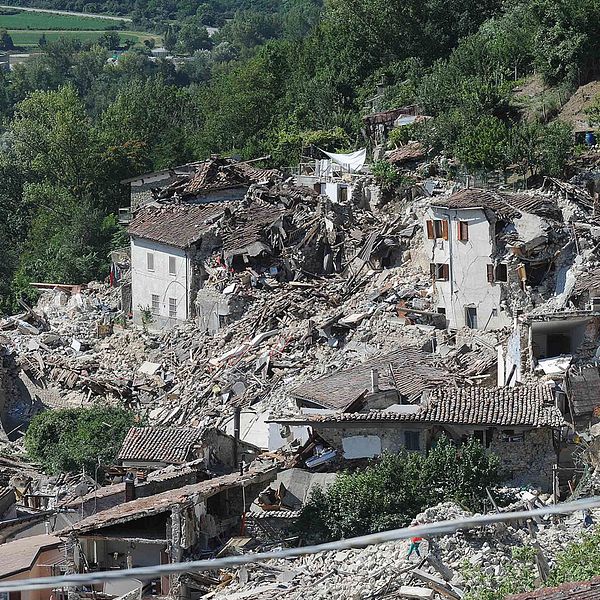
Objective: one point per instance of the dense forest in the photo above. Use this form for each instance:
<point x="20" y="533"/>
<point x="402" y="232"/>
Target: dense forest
<point x="278" y="75"/>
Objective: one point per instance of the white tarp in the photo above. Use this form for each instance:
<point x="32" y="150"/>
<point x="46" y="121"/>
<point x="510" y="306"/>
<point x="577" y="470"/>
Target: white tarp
<point x="351" y="162"/>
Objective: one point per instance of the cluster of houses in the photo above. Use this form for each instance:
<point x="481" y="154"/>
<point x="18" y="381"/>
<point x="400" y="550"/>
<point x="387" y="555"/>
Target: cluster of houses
<point x="514" y="281"/>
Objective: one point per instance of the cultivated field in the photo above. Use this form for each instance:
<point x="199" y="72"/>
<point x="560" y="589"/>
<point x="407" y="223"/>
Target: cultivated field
<point x="30" y="38"/>
<point x="49" y="21"/>
<point x="27" y="27"/>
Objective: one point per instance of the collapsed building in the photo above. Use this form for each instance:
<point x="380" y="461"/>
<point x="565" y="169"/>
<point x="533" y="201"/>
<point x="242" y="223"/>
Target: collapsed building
<point x="302" y="318"/>
<point x="490" y="253"/>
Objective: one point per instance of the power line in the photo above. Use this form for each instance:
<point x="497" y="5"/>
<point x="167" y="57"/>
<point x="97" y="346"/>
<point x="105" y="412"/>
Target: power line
<point x="429" y="530"/>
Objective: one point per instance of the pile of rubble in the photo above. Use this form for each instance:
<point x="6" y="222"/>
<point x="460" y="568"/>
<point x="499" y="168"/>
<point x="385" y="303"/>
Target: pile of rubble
<point x="445" y="568"/>
<point x="290" y="333"/>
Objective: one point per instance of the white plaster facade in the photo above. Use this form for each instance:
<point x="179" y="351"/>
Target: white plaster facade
<point x="161" y="283"/>
<point x="462" y="289"/>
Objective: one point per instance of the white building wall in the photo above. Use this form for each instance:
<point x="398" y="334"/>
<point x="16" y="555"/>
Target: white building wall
<point x="468" y="284"/>
<point x="146" y="283"/>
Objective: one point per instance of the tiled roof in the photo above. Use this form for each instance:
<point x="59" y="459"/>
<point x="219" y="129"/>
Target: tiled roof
<point x="159" y="444"/>
<point x="477" y="198"/>
<point x="220" y="174"/>
<point x="578" y="590"/>
<point x="527" y="406"/>
<point x="20" y="555"/>
<point x="411" y="151"/>
<point x="247" y="226"/>
<point x="165" y="501"/>
<point x="178" y="225"/>
<point x="535" y="205"/>
<point x="413" y="371"/>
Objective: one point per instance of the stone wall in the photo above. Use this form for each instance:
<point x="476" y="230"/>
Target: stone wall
<point x="527" y="456"/>
<point x="527" y="462"/>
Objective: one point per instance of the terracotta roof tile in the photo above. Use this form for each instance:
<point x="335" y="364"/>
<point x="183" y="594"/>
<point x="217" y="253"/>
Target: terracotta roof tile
<point x="165" y="501"/>
<point x="406" y="153"/>
<point x="527" y="406"/>
<point x="159" y="444"/>
<point x="413" y="371"/>
<point x="477" y="198"/>
<point x="20" y="555"/>
<point x="179" y="225"/>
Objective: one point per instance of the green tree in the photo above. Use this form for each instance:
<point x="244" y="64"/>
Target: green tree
<point x="170" y="38"/>
<point x="109" y="40"/>
<point x="393" y="491"/>
<point x="75" y="438"/>
<point x="6" y="42"/>
<point x="192" y="37"/>
<point x="483" y="146"/>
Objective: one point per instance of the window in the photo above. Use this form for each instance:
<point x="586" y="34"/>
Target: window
<point x="173" y="307"/>
<point x="412" y="440"/>
<point x="437" y="229"/>
<point x="501" y="272"/>
<point x="462" y="231"/>
<point x="172" y="265"/>
<point x="471" y="317"/>
<point x="484" y="436"/>
<point x="439" y="271"/>
<point x="497" y="273"/>
<point x="155" y="304"/>
<point x="150" y="261"/>
<point x="343" y="194"/>
<point x="441" y="310"/>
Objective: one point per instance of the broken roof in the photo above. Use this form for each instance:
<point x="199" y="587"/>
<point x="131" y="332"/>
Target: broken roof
<point x="526" y="406"/>
<point x="409" y="370"/>
<point x="20" y="555"/>
<point x="535" y="204"/>
<point x="408" y="152"/>
<point x="245" y="233"/>
<point x="159" y="444"/>
<point x="179" y="225"/>
<point x="166" y="501"/>
<point x="217" y="174"/>
<point x="584" y="391"/>
<point x="473" y="198"/>
<point x="582" y="590"/>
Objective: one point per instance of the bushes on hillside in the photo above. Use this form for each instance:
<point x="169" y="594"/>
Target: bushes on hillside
<point x="75" y="438"/>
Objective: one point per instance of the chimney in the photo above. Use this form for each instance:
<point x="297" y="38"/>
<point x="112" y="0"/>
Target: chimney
<point x="129" y="487"/>
<point x="374" y="381"/>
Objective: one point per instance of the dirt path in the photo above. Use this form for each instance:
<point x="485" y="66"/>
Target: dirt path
<point x="66" y="12"/>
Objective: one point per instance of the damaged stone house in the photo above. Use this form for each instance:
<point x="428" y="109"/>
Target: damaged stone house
<point x="492" y="256"/>
<point x="153" y="448"/>
<point x="168" y="231"/>
<point x="521" y="425"/>
<point x="267" y="231"/>
<point x="174" y="526"/>
<point x="165" y="242"/>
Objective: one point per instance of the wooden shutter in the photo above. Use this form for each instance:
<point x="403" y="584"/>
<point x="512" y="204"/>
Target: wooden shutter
<point x="445" y="270"/>
<point x="445" y="229"/>
<point x="432" y="270"/>
<point x="490" y="273"/>
<point x="430" y="234"/>
<point x="463" y="231"/>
